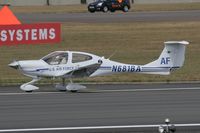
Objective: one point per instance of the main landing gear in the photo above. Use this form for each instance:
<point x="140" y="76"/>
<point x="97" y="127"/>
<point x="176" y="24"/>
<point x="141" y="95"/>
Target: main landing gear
<point x="72" y="87"/>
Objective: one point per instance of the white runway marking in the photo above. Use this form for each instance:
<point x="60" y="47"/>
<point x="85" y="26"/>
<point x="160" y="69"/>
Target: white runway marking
<point x="28" y="93"/>
<point x="159" y="89"/>
<point x="93" y="127"/>
<point x="99" y="91"/>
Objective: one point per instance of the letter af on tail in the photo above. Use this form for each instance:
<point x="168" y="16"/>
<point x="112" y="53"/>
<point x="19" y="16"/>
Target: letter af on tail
<point x="73" y="64"/>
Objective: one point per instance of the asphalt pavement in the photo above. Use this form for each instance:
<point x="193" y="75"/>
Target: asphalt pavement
<point x="101" y="105"/>
<point x="110" y="17"/>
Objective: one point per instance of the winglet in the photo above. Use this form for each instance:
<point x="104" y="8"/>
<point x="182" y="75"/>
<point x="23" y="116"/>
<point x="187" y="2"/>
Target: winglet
<point x="177" y="42"/>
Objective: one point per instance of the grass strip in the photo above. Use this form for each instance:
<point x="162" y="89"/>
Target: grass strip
<point x="136" y="43"/>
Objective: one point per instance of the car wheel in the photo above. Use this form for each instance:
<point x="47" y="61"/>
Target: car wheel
<point x="105" y="9"/>
<point x="112" y="10"/>
<point x="92" y="11"/>
<point x="125" y="9"/>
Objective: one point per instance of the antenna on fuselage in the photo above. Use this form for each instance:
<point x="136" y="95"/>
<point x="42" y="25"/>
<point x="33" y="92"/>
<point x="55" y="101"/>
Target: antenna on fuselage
<point x="112" y="54"/>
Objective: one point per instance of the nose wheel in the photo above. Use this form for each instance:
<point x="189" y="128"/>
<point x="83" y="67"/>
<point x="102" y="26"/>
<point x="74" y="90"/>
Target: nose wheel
<point x="28" y="87"/>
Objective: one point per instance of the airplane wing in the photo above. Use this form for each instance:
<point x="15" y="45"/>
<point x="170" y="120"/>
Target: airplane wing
<point x="84" y="71"/>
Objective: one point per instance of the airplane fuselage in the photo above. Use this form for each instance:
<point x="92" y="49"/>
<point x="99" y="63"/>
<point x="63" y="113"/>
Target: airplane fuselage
<point x="73" y="64"/>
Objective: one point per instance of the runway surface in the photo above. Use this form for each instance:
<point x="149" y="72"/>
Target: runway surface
<point x="111" y="17"/>
<point x="101" y="105"/>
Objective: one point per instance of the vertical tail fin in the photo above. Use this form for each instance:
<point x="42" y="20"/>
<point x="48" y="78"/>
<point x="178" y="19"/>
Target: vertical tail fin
<point x="172" y="57"/>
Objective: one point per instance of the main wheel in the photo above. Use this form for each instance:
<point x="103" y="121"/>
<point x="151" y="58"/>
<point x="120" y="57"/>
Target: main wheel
<point x="62" y="90"/>
<point x="74" y="91"/>
<point x="29" y="91"/>
<point x="105" y="9"/>
<point x="125" y="8"/>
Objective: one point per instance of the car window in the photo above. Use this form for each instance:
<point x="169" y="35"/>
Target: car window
<point x="76" y="57"/>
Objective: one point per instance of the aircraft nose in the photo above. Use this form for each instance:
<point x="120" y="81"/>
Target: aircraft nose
<point x="14" y="65"/>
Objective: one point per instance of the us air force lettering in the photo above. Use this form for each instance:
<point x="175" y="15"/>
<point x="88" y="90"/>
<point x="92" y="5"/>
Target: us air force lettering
<point x="73" y="64"/>
<point x="165" y="60"/>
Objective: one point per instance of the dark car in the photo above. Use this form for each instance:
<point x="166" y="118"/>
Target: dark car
<point x="109" y="5"/>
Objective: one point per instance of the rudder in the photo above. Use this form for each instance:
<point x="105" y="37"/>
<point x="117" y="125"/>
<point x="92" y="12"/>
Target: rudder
<point x="172" y="56"/>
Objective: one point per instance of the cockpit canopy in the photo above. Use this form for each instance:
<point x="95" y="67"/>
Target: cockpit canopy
<point x="78" y="57"/>
<point x="63" y="57"/>
<point x="56" y="58"/>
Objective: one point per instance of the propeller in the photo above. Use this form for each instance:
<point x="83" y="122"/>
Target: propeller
<point x="15" y="64"/>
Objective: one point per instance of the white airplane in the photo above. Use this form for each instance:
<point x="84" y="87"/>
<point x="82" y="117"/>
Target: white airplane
<point x="72" y="64"/>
